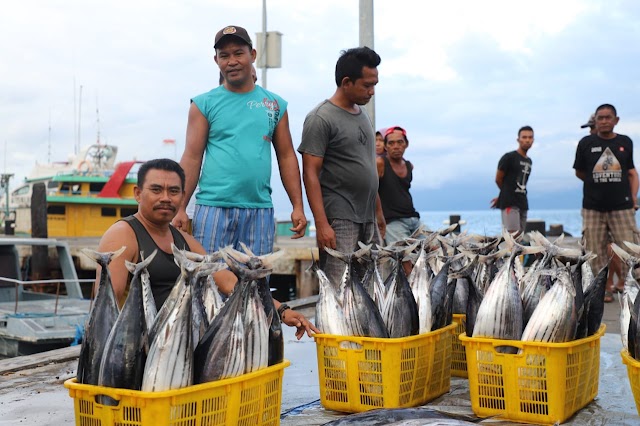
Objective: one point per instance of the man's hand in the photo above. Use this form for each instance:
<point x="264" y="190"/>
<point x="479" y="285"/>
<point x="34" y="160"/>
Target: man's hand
<point x="299" y="223"/>
<point x="325" y="236"/>
<point x="297" y="320"/>
<point x="494" y="203"/>
<point x="181" y="220"/>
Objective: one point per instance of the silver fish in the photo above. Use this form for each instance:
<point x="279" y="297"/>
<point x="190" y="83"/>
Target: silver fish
<point x="555" y="318"/>
<point x="169" y="364"/>
<point x="329" y="314"/>
<point x="122" y="364"/>
<point x="104" y="313"/>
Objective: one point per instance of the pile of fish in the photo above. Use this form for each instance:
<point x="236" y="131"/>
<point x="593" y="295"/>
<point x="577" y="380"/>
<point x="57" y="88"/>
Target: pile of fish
<point x="630" y="301"/>
<point x="195" y="337"/>
<point x="557" y="298"/>
<point x="370" y="303"/>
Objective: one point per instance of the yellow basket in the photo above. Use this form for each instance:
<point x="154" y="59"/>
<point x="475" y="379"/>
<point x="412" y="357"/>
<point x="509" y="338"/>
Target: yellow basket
<point x="544" y="384"/>
<point x="458" y="354"/>
<point x="363" y="373"/>
<point x="250" y="399"/>
<point x="633" y="370"/>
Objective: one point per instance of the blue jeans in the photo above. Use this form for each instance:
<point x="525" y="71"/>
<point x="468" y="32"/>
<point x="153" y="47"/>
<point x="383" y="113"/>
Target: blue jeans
<point x="399" y="229"/>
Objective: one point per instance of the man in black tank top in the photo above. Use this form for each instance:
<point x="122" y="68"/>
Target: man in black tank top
<point x="395" y="175"/>
<point x="159" y="193"/>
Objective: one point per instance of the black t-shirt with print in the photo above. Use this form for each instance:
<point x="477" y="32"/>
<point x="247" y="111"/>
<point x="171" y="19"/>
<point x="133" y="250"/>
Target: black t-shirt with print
<point x="606" y="164"/>
<point x="516" y="170"/>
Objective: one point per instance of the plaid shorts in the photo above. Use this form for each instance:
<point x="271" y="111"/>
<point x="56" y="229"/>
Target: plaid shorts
<point x="601" y="228"/>
<point x="218" y="227"/>
<point x="347" y="236"/>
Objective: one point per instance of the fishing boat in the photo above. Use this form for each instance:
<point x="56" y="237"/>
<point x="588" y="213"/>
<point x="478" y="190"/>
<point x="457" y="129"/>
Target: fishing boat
<point x="86" y="205"/>
<point x="94" y="160"/>
<point x="43" y="314"/>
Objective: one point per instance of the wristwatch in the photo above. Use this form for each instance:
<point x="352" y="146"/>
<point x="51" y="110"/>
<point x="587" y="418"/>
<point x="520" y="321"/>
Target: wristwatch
<point x="283" y="307"/>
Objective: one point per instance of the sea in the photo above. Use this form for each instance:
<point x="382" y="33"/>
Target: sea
<point x="488" y="222"/>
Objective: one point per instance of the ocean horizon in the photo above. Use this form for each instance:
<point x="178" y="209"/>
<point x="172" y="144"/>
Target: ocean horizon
<point x="487" y="221"/>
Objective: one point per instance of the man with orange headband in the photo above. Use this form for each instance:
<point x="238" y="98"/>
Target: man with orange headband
<point x="395" y="175"/>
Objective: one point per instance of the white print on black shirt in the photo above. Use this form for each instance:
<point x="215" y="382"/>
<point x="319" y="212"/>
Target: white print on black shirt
<point x="521" y="187"/>
<point x="607" y="168"/>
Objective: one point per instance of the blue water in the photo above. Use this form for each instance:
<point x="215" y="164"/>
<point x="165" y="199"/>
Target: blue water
<point x="487" y="222"/>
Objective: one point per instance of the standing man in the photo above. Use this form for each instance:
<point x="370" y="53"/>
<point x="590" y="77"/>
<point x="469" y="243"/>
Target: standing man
<point x="339" y="162"/>
<point x="512" y="176"/>
<point x="234" y="127"/>
<point x="395" y="175"/>
<point x="604" y="162"/>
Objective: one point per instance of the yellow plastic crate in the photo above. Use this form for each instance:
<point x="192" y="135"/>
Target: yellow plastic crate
<point x="458" y="354"/>
<point x="633" y="370"/>
<point x="250" y="399"/>
<point x="363" y="373"/>
<point x="544" y="384"/>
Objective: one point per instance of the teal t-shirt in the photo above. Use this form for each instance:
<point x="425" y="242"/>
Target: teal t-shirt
<point x="237" y="160"/>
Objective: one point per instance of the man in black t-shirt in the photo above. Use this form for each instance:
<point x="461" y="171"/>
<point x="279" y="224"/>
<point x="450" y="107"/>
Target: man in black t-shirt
<point x="604" y="162"/>
<point x="514" y="169"/>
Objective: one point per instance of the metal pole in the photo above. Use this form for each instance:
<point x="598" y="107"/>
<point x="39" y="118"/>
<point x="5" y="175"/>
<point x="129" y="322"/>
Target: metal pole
<point x="366" y="39"/>
<point x="264" y="44"/>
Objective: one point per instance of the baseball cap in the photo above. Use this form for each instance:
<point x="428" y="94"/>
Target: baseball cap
<point x="590" y="123"/>
<point x="233" y="30"/>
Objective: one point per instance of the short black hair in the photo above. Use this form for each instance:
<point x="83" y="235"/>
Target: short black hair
<point x="351" y="62"/>
<point x="605" y="106"/>
<point x="529" y="128"/>
<point x="165" y="164"/>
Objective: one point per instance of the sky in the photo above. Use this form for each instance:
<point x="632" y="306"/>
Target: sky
<point x="461" y="77"/>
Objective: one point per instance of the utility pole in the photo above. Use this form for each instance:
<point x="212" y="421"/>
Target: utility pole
<point x="264" y="44"/>
<point x="366" y="39"/>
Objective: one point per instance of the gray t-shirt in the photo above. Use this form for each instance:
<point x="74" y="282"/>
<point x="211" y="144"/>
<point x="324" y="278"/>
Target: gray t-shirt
<point x="348" y="178"/>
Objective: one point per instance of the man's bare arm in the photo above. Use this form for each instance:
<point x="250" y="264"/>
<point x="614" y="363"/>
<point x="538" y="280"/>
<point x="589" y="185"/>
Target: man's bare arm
<point x="311" y="166"/>
<point x="191" y="161"/>
<point x="290" y="174"/>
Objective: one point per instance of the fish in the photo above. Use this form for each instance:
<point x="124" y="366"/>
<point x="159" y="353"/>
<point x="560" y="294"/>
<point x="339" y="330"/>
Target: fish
<point x="222" y="351"/>
<point x="212" y="298"/>
<point x="401" y="311"/>
<point x="419" y="281"/>
<point x="634" y="328"/>
<point x="500" y="315"/>
<point x="123" y="360"/>
<point x="362" y="317"/>
<point x="373" y="280"/>
<point x="275" y="337"/>
<point x="630" y="292"/>
<point x="104" y="313"/>
<point x="438" y="294"/>
<point x="329" y="311"/>
<point x="555" y="318"/>
<point x="149" y="303"/>
<point x="169" y="364"/>
<point x="474" y="296"/>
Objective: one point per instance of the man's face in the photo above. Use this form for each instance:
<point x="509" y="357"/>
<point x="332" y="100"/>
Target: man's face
<point x="235" y="60"/>
<point x="160" y="196"/>
<point x="606" y="120"/>
<point x="525" y="140"/>
<point x="379" y="144"/>
<point x="396" y="145"/>
<point x="360" y="91"/>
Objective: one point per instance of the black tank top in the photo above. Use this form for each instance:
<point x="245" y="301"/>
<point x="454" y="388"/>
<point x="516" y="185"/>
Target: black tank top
<point x="163" y="271"/>
<point x="394" y="193"/>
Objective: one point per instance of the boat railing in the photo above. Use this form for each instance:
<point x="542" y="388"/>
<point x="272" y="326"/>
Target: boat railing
<point x="41" y="295"/>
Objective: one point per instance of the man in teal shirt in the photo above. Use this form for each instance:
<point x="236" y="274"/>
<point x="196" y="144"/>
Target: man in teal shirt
<point x="233" y="127"/>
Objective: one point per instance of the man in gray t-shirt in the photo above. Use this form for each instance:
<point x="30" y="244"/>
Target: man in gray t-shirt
<point x="339" y="166"/>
